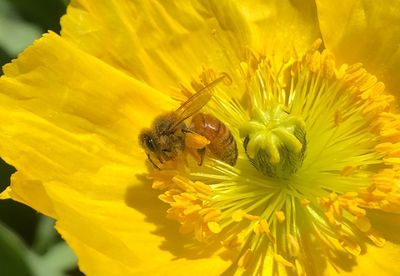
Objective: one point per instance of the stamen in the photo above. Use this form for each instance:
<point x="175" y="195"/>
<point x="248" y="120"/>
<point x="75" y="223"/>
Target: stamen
<point x="244" y="261"/>
<point x="282" y="261"/>
<point x="317" y="147"/>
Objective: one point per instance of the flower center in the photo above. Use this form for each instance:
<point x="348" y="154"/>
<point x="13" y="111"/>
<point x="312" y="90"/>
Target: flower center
<point x="317" y="148"/>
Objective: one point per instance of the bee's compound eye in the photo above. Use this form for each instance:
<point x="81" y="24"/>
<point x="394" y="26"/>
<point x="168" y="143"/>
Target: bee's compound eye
<point x="150" y="143"/>
<point x="147" y="141"/>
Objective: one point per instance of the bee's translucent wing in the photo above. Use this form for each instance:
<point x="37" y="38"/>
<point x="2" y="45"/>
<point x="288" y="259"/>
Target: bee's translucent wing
<point x="196" y="102"/>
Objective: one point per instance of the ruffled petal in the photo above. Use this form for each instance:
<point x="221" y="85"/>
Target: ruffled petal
<point x="364" y="31"/>
<point x="37" y="196"/>
<point x="65" y="114"/>
<point x="56" y="99"/>
<point x="93" y="262"/>
<point x="280" y="26"/>
<point x="69" y="126"/>
<point x="164" y="43"/>
<point x="160" y="42"/>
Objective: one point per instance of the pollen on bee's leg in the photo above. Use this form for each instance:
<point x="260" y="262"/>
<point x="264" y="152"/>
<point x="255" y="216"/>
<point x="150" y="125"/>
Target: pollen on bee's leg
<point x="196" y="145"/>
<point x="196" y="141"/>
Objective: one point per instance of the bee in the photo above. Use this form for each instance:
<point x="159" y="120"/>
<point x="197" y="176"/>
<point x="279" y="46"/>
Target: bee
<point x="165" y="140"/>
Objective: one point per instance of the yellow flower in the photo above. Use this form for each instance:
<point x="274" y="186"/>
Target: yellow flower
<point x="315" y="188"/>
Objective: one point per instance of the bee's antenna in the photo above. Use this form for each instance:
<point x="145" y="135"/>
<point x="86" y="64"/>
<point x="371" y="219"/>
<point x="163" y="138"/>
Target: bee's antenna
<point x="152" y="162"/>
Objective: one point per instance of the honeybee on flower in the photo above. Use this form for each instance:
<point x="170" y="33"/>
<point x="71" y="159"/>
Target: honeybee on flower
<point x="316" y="174"/>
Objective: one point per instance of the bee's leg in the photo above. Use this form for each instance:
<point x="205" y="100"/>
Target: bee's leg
<point x="152" y="162"/>
<point x="201" y="152"/>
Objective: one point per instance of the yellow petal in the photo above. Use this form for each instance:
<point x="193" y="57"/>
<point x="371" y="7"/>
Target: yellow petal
<point x="29" y="192"/>
<point x="64" y="114"/>
<point x="381" y="220"/>
<point x="69" y="125"/>
<point x="96" y="263"/>
<point x="364" y="31"/>
<point x="118" y="230"/>
<point x="279" y="26"/>
<point x="160" y="42"/>
<point x="164" y="43"/>
<point x="93" y="261"/>
<point x="64" y="109"/>
<point x="6" y="193"/>
<point x="379" y="261"/>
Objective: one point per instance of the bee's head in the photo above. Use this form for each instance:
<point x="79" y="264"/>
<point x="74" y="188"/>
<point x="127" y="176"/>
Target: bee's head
<point x="161" y="147"/>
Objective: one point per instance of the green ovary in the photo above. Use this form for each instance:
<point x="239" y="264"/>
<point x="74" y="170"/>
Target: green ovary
<point x="275" y="141"/>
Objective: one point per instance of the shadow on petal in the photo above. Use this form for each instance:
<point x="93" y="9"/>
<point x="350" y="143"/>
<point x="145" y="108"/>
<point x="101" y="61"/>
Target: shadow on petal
<point x="387" y="224"/>
<point x="144" y="199"/>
